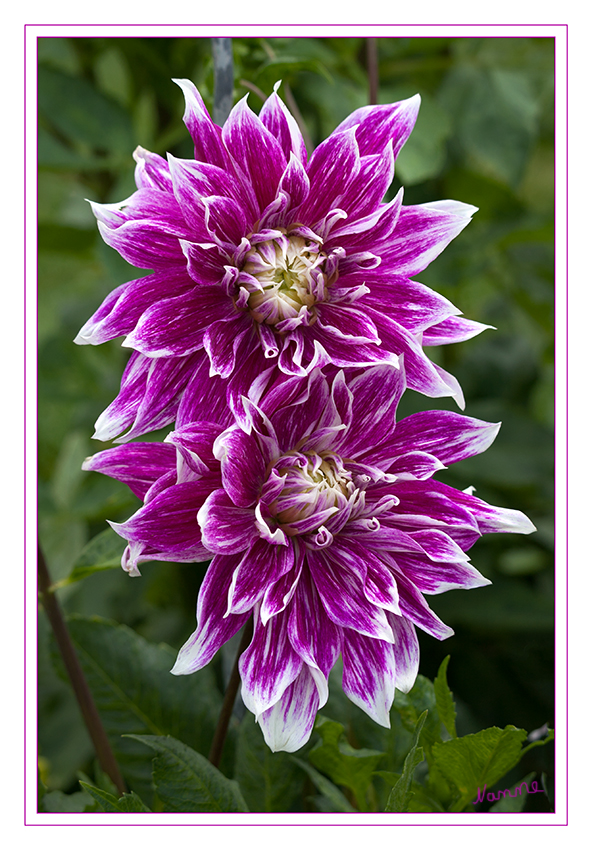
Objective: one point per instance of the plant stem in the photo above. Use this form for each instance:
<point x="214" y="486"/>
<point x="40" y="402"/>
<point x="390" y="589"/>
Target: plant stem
<point x="372" y="58"/>
<point x="75" y="673"/>
<point x="223" y="78"/>
<point x="229" y="698"/>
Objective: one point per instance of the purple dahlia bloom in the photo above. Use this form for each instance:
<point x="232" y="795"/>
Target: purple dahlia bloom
<point x="326" y="526"/>
<point x="262" y="257"/>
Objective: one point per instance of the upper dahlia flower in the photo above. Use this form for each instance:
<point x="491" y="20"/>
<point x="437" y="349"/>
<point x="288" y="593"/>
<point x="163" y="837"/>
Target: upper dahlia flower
<point x="325" y="524"/>
<point x="263" y="258"/>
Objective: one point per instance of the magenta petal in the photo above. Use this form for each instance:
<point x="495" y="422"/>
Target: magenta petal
<point x="423" y="232"/>
<point x="313" y="635"/>
<point x="257" y="152"/>
<point x="138" y="465"/>
<point x="288" y="724"/>
<point x="331" y="169"/>
<point x="416" y="609"/>
<point x="207" y="137"/>
<point x="123" y="309"/>
<point x="165" y="380"/>
<point x="453" y="329"/>
<point x="222" y="340"/>
<point x="193" y="181"/>
<point x="406" y="647"/>
<point x="213" y="627"/>
<point x="226" y="529"/>
<point x="168" y="522"/>
<point x="490" y="518"/>
<point x="376" y="393"/>
<point x="369" y="672"/>
<point x="433" y="577"/>
<point x="194" y="444"/>
<point x="283" y="127"/>
<point x="243" y="466"/>
<point x="268" y="665"/>
<point x="175" y="327"/>
<point x="376" y="126"/>
<point x="146" y="244"/>
<point x="263" y="565"/>
<point x="279" y="593"/>
<point x="447" y="435"/>
<point x="204" y="397"/>
<point x="123" y="410"/>
<point x="339" y="576"/>
<point x="152" y="171"/>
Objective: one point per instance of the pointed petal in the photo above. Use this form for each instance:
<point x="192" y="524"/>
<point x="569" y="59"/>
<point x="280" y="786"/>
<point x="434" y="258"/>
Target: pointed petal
<point x="422" y="233"/>
<point x="288" y="724"/>
<point x="257" y="152"/>
<point x="376" y="126"/>
<point x="138" y="465"/>
<point x="213" y="627"/>
<point x="406" y="647"/>
<point x="207" y="136"/>
<point x="369" y="672"/>
<point x="268" y="665"/>
<point x="263" y="565"/>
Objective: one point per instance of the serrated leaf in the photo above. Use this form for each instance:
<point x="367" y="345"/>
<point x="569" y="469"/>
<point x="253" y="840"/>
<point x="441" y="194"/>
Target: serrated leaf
<point x="411" y="705"/>
<point x="328" y="790"/>
<point x="478" y="760"/>
<point x="344" y="764"/>
<point x="401" y="795"/>
<point x="110" y="803"/>
<point x="270" y="782"/>
<point x="185" y="781"/>
<point x="444" y="701"/>
<point x="135" y="692"/>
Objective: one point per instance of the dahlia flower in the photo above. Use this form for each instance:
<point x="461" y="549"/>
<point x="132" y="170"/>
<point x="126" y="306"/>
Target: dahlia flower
<point x="262" y="257"/>
<point x="326" y="525"/>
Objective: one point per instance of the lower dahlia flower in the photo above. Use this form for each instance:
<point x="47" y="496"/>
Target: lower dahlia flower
<point x="262" y="257"/>
<point x="326" y="526"/>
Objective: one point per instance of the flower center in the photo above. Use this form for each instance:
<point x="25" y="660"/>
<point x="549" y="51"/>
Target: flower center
<point x="312" y="487"/>
<point x="284" y="278"/>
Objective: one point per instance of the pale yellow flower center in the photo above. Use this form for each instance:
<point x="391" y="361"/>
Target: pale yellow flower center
<point x="314" y="484"/>
<point x="288" y="279"/>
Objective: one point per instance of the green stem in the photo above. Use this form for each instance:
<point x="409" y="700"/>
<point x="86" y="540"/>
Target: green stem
<point x="90" y="715"/>
<point x="229" y="698"/>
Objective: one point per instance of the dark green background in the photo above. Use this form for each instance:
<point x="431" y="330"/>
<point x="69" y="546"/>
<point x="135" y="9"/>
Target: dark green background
<point x="484" y="136"/>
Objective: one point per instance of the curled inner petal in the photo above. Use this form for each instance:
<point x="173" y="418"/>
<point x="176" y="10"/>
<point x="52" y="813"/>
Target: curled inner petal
<point x="284" y="276"/>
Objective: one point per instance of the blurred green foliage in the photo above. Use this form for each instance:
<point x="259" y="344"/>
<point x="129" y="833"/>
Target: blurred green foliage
<point x="484" y="136"/>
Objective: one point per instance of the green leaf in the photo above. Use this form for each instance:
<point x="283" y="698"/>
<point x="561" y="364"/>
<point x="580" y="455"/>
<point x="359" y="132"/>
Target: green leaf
<point x="110" y="803"/>
<point x="401" y="795"/>
<point x="57" y="801"/>
<point x="346" y="765"/>
<point x="186" y="781"/>
<point x="410" y="706"/>
<point x="478" y="760"/>
<point x="444" y="700"/>
<point x="135" y="693"/>
<point x="330" y="792"/>
<point x="82" y="115"/>
<point x="103" y="552"/>
<point x="512" y="800"/>
<point x="270" y="782"/>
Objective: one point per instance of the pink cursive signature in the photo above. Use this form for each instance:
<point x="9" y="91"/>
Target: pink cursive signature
<point x="491" y="796"/>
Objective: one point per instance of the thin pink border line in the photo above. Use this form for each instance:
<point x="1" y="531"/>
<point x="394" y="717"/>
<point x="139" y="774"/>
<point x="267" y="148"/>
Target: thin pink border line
<point x="25" y="425"/>
<point x="404" y="823"/>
